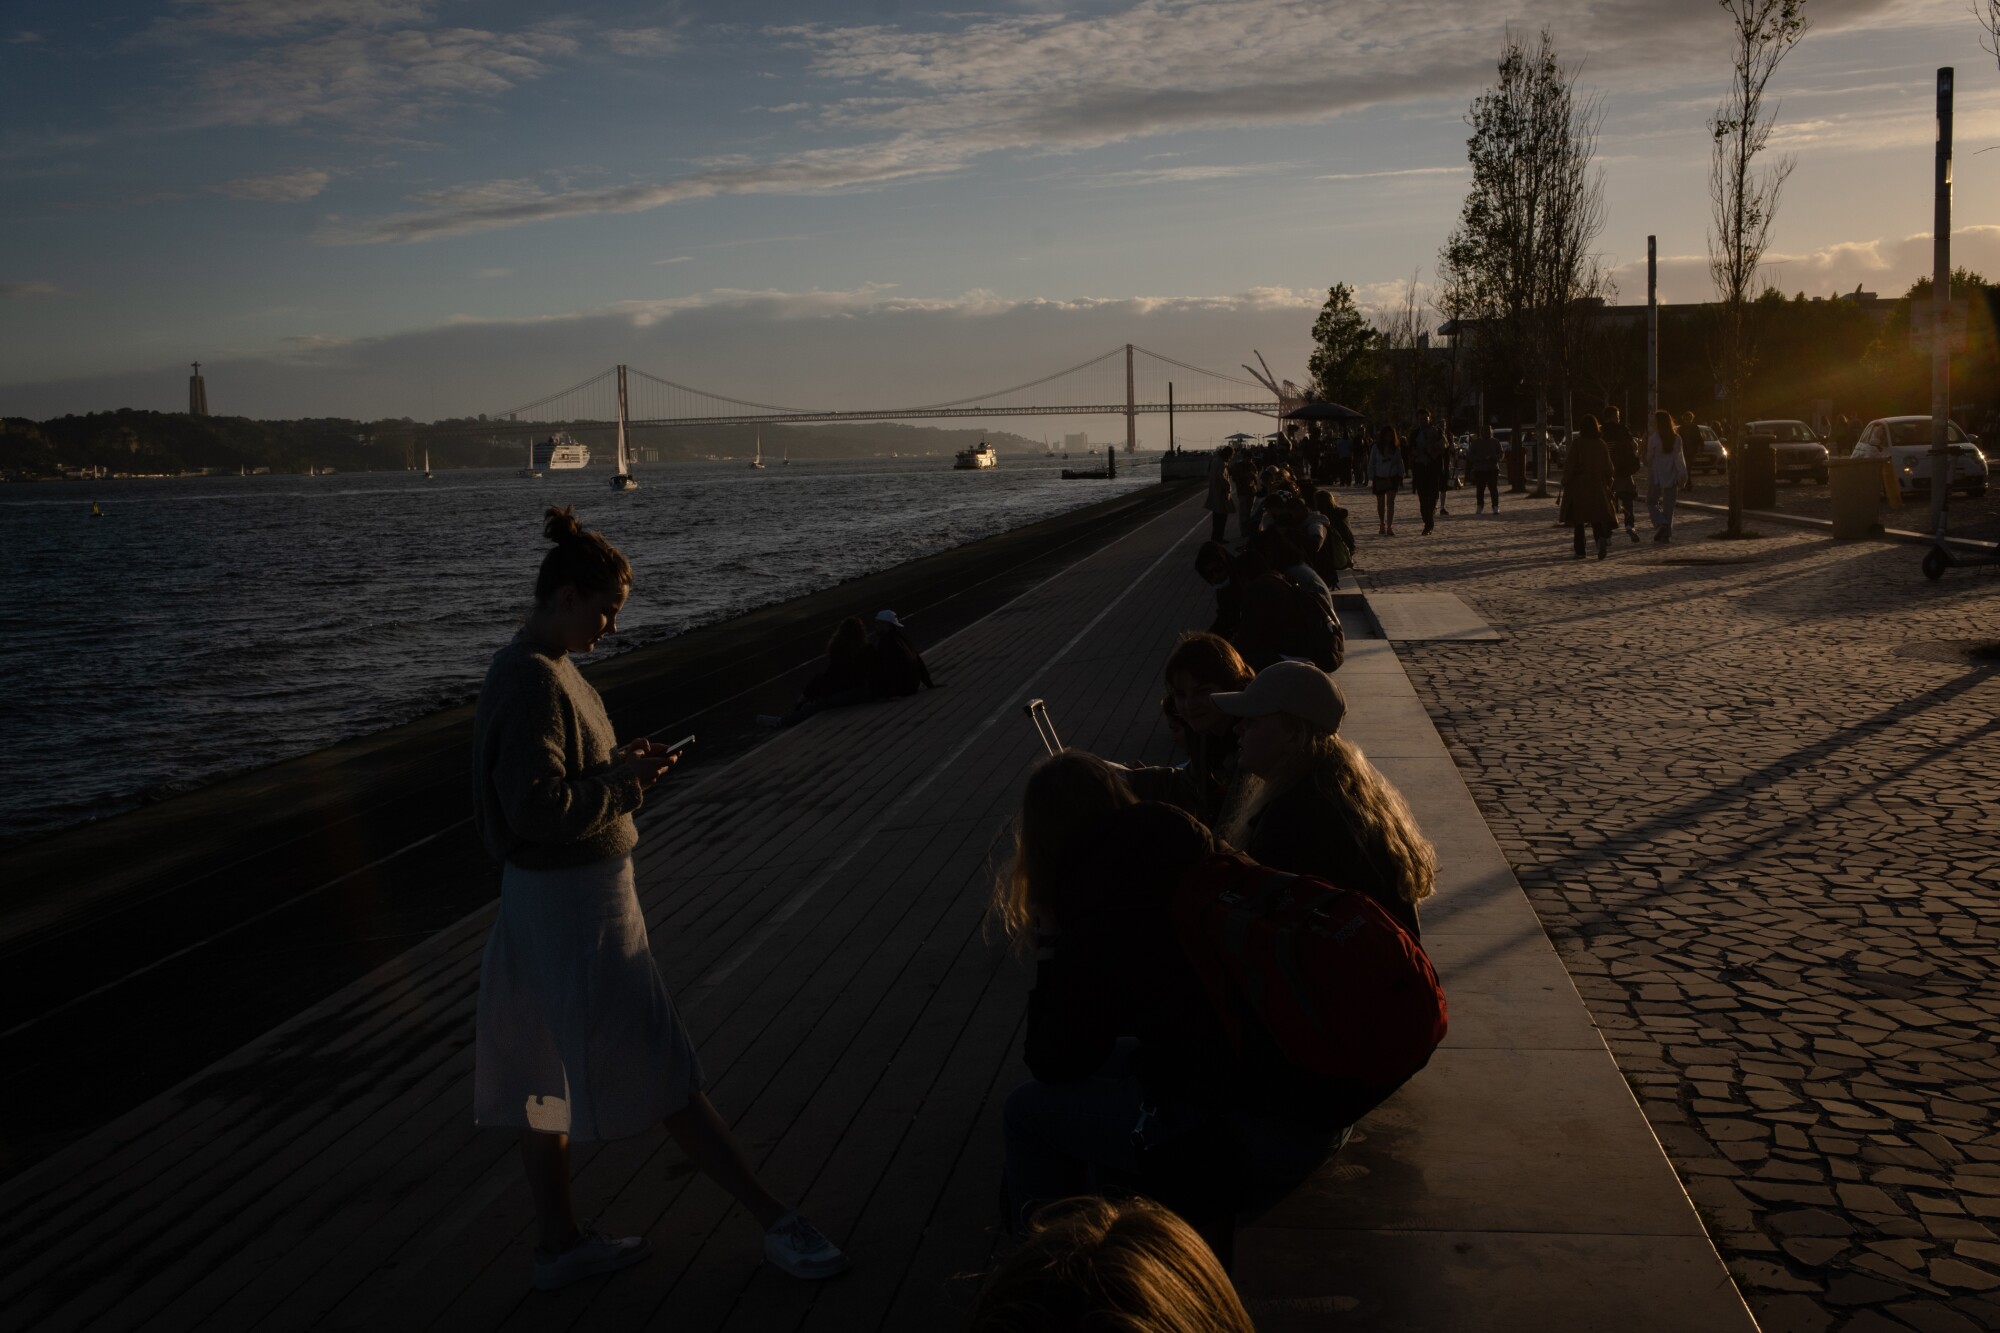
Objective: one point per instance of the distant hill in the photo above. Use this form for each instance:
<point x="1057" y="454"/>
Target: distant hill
<point x="133" y="441"/>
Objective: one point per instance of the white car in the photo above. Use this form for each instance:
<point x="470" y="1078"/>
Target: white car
<point x="1906" y="442"/>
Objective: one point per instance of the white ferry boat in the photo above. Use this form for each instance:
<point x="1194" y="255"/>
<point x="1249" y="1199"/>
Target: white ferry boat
<point x="560" y="453"/>
<point x="979" y="456"/>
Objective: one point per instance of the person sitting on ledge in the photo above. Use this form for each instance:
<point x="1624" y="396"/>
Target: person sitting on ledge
<point x="1287" y="610"/>
<point x="1092" y="1263"/>
<point x="1200" y="666"/>
<point x="844" y="680"/>
<point x="1310" y="802"/>
<point x="899" y="669"/>
<point x="1137" y="1086"/>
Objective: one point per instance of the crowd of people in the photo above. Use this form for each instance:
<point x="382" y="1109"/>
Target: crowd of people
<point x="1169" y="1097"/>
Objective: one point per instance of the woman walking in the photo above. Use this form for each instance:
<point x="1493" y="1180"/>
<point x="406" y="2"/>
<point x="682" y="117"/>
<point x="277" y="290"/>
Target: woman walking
<point x="1625" y="465"/>
<point x="1666" y="473"/>
<point x="577" y="1037"/>
<point x="1586" y="483"/>
<point x="1385" y="472"/>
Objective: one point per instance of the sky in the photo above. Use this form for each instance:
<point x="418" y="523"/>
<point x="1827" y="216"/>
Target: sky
<point x="432" y="208"/>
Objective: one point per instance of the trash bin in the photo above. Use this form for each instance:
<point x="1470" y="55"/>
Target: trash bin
<point x="1760" y="472"/>
<point x="1856" y="484"/>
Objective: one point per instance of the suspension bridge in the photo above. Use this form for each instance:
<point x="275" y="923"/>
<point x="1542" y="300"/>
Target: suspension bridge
<point x="1127" y="381"/>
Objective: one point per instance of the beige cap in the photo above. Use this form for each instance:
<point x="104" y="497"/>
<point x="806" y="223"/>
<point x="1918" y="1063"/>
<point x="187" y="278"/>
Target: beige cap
<point x="1298" y="688"/>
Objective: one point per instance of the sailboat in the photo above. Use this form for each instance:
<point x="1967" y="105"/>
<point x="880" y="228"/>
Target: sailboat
<point x="757" y="460"/>
<point x="427" y="465"/>
<point x="623" y="480"/>
<point x="787" y="460"/>
<point x="529" y="471"/>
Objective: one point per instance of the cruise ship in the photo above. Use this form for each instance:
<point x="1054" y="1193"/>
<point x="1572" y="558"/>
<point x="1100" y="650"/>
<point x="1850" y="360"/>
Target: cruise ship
<point x="971" y="460"/>
<point x="561" y="452"/>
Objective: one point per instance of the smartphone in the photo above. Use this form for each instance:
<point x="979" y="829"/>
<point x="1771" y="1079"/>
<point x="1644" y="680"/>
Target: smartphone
<point x="681" y="744"/>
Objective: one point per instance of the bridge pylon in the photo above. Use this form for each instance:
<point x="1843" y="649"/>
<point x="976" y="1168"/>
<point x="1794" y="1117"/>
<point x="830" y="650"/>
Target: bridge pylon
<point x="1131" y="407"/>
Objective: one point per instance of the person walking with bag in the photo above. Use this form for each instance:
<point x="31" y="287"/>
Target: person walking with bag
<point x="1666" y="472"/>
<point x="1586" y="483"/>
<point x="576" y="1036"/>
<point x="1385" y="474"/>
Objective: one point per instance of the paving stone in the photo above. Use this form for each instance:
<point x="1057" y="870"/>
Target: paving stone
<point x="1751" y="885"/>
<point x="1961" y="1276"/>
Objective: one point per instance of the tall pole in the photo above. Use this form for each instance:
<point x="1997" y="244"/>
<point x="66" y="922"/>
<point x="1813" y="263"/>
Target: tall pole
<point x="1652" y="329"/>
<point x="1941" y="299"/>
<point x="622" y="414"/>
<point x="1131" y="406"/>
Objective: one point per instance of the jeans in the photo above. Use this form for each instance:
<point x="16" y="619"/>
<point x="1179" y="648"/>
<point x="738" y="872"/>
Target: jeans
<point x="1066" y="1139"/>
<point x="1660" y="503"/>
<point x="1602" y="531"/>
<point x="1484" y="484"/>
<point x="1627" y="497"/>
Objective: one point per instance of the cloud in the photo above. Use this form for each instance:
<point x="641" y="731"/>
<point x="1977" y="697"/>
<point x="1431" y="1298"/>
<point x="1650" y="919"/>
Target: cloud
<point x="494" y="273"/>
<point x="641" y="41"/>
<point x="1186" y="175"/>
<point x="290" y="187"/>
<point x="787" y="107"/>
<point x="253" y="19"/>
<point x="24" y="38"/>
<point x="28" y="291"/>
<point x="1401" y="171"/>
<point x="676" y="259"/>
<point x="926" y="102"/>
<point x="1884" y="265"/>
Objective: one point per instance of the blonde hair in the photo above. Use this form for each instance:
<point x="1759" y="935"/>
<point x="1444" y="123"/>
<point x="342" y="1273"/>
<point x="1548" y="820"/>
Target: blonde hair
<point x="1066" y="797"/>
<point x="1377" y="815"/>
<point x="1124" y="1266"/>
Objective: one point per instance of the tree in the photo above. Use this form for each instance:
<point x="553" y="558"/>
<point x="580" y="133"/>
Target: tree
<point x="1343" y="366"/>
<point x="1988" y="15"/>
<point x="1521" y="253"/>
<point x="1744" y="198"/>
<point x="1403" y="337"/>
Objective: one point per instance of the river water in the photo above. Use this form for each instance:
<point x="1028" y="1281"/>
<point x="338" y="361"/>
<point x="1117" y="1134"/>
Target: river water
<point x="205" y="626"/>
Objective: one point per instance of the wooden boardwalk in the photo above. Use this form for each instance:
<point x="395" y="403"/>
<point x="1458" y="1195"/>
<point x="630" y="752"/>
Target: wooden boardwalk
<point x="817" y="909"/>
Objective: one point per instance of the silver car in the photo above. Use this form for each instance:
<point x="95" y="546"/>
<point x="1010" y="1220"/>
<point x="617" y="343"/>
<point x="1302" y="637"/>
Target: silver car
<point x="1800" y="450"/>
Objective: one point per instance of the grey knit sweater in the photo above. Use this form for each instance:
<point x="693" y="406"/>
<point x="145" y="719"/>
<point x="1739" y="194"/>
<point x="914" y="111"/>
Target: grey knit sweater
<point x="546" y="795"/>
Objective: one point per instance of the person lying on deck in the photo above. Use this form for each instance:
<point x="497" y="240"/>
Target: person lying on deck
<point x="844" y="680"/>
<point x="1310" y="802"/>
<point x="1137" y="1085"/>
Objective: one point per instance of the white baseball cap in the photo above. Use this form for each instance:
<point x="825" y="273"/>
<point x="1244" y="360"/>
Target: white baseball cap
<point x="1298" y="688"/>
<point x="888" y="618"/>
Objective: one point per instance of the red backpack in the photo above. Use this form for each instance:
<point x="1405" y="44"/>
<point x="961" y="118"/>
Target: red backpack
<point x="1340" y="986"/>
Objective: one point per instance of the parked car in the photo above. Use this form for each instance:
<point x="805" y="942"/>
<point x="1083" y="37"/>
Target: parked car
<point x="1713" y="456"/>
<point x="1906" y="442"/>
<point x="1800" y="449"/>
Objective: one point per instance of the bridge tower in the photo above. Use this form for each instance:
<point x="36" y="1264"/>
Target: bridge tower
<point x="197" y="393"/>
<point x="1131" y="407"/>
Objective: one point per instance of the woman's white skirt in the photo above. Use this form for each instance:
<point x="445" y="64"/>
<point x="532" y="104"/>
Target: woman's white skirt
<point x="576" y="1032"/>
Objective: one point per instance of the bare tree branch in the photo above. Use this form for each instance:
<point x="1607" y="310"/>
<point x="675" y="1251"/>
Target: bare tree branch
<point x="1988" y="14"/>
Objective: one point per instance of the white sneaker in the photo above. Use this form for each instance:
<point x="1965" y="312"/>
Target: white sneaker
<point x="796" y="1246"/>
<point x="593" y="1253"/>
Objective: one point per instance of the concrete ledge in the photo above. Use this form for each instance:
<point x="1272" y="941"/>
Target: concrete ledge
<point x="1515" y="1184"/>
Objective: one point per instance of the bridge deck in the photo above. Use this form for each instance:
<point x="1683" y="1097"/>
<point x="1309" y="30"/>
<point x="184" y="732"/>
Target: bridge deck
<point x="816" y="907"/>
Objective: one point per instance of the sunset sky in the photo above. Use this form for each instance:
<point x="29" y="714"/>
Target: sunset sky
<point x="429" y="208"/>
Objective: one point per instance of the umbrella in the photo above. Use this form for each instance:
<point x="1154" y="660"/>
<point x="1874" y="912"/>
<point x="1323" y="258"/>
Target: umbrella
<point x="1317" y="411"/>
<point x="1237" y="438"/>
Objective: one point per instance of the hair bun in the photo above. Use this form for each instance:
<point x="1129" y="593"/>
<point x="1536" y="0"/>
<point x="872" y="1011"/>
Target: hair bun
<point x="562" y="525"/>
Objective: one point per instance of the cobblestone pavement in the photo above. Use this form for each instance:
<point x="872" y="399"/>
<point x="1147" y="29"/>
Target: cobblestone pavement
<point x="1753" y="790"/>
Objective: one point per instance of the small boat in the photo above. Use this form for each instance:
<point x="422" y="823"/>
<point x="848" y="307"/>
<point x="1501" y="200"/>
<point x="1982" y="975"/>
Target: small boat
<point x="623" y="480"/>
<point x="427" y="465"/>
<point x="529" y="472"/>
<point x="979" y="456"/>
<point x="757" y="459"/>
<point x="787" y="459"/>
<point x="95" y="512"/>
